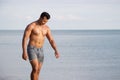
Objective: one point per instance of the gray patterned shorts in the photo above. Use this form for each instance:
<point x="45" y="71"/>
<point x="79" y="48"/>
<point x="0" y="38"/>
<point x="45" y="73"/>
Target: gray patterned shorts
<point x="35" y="53"/>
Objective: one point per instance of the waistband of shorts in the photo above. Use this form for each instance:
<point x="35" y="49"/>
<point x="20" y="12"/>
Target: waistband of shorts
<point x="34" y="47"/>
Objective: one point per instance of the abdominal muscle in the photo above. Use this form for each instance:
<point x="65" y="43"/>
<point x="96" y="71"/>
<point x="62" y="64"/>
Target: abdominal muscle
<point x="36" y="41"/>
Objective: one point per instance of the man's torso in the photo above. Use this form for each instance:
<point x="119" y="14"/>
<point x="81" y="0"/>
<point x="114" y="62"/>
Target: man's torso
<point x="37" y="35"/>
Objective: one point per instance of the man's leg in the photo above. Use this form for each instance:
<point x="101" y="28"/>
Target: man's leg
<point x="35" y="68"/>
<point x="39" y="69"/>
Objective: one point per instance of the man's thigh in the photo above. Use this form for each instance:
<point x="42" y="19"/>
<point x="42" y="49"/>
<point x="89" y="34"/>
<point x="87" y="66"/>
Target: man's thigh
<point x="34" y="63"/>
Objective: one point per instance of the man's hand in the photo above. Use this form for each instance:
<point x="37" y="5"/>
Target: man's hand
<point x="25" y="56"/>
<point x="57" y="55"/>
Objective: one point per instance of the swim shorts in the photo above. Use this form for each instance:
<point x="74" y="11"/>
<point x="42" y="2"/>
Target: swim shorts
<point x="35" y="53"/>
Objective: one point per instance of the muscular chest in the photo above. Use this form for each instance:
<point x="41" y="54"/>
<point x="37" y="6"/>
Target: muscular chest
<point x="39" y="31"/>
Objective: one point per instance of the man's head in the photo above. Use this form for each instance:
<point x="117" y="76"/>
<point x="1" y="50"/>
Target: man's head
<point x="45" y="14"/>
<point x="44" y="17"/>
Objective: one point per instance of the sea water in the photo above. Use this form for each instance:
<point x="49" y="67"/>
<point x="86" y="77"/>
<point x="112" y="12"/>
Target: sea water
<point x="84" y="55"/>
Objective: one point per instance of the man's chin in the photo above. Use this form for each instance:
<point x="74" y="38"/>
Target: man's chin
<point x="43" y="23"/>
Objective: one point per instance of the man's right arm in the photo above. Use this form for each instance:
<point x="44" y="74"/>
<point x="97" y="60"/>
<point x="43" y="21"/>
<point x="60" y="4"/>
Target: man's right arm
<point x="26" y="36"/>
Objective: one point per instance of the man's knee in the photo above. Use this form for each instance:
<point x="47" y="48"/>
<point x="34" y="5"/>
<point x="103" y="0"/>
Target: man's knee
<point x="38" y="70"/>
<point x="35" y="69"/>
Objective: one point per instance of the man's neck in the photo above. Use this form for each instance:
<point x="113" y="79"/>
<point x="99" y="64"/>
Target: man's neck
<point x="39" y="22"/>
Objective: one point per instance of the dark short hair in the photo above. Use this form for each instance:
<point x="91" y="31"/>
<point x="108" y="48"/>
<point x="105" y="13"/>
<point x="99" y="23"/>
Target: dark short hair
<point x="45" y="14"/>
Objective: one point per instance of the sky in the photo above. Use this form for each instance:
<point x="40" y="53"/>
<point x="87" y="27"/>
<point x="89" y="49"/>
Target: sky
<point x="65" y="14"/>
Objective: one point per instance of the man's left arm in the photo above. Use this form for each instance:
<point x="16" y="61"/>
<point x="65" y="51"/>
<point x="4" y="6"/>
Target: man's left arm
<point x="52" y="43"/>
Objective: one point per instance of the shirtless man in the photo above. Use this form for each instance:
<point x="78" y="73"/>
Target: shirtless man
<point x="36" y="33"/>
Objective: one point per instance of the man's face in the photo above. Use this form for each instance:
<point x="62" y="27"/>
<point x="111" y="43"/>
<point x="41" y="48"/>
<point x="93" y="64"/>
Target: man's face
<point x="44" y="20"/>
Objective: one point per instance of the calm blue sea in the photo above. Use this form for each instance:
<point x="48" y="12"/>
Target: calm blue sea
<point x="85" y="55"/>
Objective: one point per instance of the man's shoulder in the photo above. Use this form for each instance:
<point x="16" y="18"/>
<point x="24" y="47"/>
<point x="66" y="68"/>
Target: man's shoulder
<point x="47" y="27"/>
<point x="31" y="25"/>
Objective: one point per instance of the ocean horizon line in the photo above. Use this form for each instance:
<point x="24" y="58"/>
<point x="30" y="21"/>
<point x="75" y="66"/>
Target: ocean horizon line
<point x="66" y="29"/>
